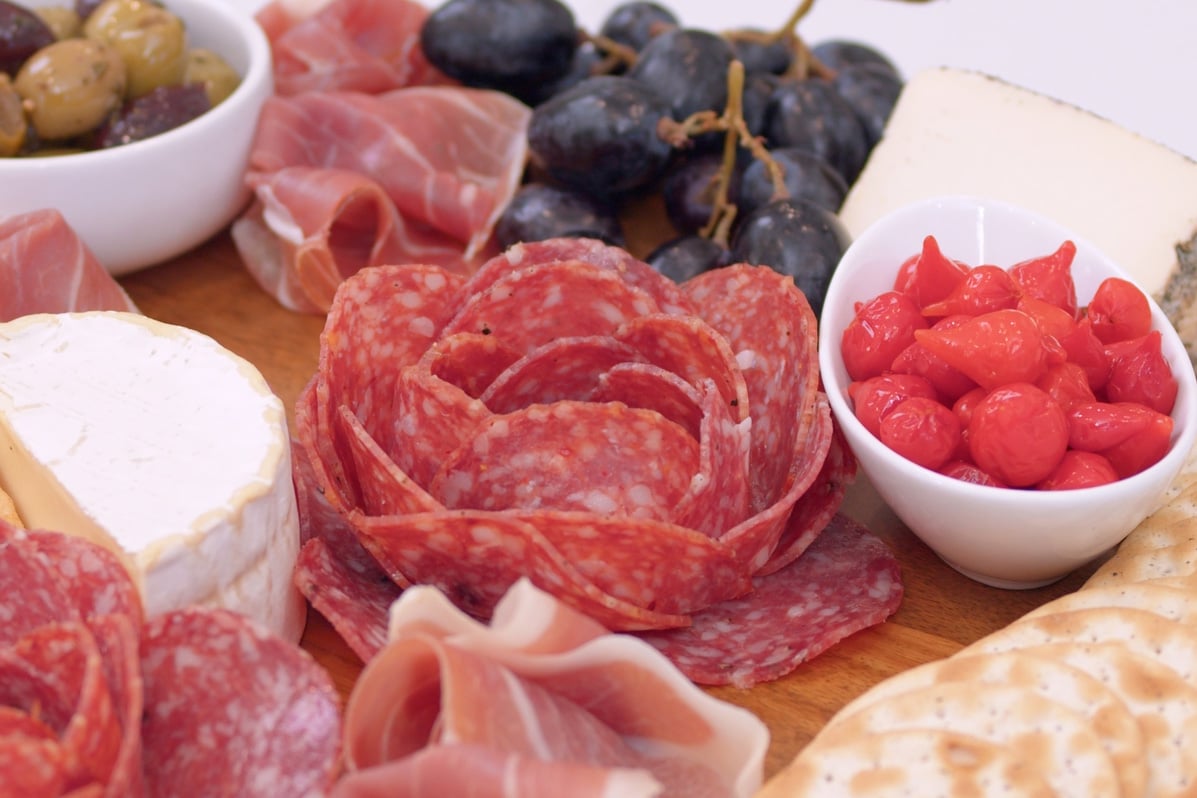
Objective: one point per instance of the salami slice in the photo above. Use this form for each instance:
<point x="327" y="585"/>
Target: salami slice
<point x="33" y="767"/>
<point x="632" y="270"/>
<point x="565" y="369"/>
<point x="31" y="593"/>
<point x="533" y="306"/>
<point x="770" y="326"/>
<point x="846" y="581"/>
<point x="816" y="507"/>
<point x="353" y="595"/>
<point x="718" y="497"/>
<point x="97" y="581"/>
<point x="55" y="673"/>
<point x="429" y="419"/>
<point x="470" y="361"/>
<point x="473" y="557"/>
<point x="688" y="347"/>
<point x="755" y="539"/>
<point x="607" y="459"/>
<point x="118" y="641"/>
<point x="231" y="710"/>
<point x="383" y="488"/>
<point x="651" y="387"/>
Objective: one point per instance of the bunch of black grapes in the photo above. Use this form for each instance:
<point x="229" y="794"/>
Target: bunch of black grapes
<point x="751" y="138"/>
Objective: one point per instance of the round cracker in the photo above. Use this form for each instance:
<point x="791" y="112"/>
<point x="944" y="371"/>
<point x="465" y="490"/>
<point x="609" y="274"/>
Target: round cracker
<point x="1163" y="702"/>
<point x="1176" y="560"/>
<point x="1057" y="741"/>
<point x="1079" y="691"/>
<point x="922" y="763"/>
<point x="1174" y="603"/>
<point x="1175" y="522"/>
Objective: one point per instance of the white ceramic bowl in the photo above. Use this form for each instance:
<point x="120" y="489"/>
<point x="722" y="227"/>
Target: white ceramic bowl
<point x="143" y="203"/>
<point x="1002" y="537"/>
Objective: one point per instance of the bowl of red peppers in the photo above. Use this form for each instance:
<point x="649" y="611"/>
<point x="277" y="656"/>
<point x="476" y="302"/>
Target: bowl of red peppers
<point x="1009" y="391"/>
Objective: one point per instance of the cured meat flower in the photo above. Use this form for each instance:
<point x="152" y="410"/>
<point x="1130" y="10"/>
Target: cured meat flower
<point x="96" y="700"/>
<point x="640" y="450"/>
<point x="543" y="696"/>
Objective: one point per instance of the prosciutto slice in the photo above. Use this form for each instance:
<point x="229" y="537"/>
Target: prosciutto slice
<point x="345" y="180"/>
<point x="347" y="45"/>
<point x="542" y="702"/>
<point x="46" y="268"/>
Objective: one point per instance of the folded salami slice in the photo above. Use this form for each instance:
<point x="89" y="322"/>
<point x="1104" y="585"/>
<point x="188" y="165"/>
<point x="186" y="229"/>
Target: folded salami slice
<point x="564" y="369"/>
<point x="231" y="710"/>
<point x="118" y="641"/>
<point x="470" y="361"/>
<point x="353" y="595"/>
<point x="651" y="387"/>
<point x="632" y="270"/>
<point x="847" y="580"/>
<point x="718" y="497"/>
<point x="535" y="305"/>
<point x="771" y="328"/>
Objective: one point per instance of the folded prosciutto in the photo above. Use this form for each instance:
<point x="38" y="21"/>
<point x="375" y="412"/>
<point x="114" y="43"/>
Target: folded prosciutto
<point x="543" y="702"/>
<point x="46" y="268"/>
<point x="644" y="452"/>
<point x="96" y="700"/>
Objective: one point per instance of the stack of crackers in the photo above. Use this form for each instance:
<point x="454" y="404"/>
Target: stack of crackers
<point x="1092" y="694"/>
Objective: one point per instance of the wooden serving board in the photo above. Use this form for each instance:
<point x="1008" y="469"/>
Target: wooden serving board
<point x="209" y="290"/>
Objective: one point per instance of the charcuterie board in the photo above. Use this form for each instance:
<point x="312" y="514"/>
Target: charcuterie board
<point x="209" y="290"/>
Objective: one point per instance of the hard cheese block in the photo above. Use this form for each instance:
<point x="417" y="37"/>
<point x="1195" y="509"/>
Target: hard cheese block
<point x="157" y="443"/>
<point x="959" y="132"/>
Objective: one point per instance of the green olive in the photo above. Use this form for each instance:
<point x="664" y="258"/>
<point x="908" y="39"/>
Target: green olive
<point x="151" y="41"/>
<point x="12" y="119"/>
<point x="208" y="68"/>
<point x="64" y="21"/>
<point x="70" y="87"/>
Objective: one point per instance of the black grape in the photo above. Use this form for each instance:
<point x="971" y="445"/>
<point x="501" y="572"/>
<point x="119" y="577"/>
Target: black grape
<point x="539" y="211"/>
<point x="806" y="176"/>
<point x="839" y="53"/>
<point x="514" y="46"/>
<point x="600" y="136"/>
<point x="690" y="187"/>
<point x="22" y="33"/>
<point x="688" y="67"/>
<point x="794" y="237"/>
<point x="585" y="64"/>
<point x="635" y="24"/>
<point x="759" y="56"/>
<point x="871" y="90"/>
<point x="811" y="115"/>
<point x="688" y="256"/>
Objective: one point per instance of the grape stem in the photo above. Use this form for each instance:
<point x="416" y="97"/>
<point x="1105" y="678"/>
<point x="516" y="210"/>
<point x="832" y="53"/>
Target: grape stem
<point x="616" y="56"/>
<point x="803" y="64"/>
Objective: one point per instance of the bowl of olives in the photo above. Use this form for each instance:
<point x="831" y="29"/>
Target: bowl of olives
<point x="133" y="118"/>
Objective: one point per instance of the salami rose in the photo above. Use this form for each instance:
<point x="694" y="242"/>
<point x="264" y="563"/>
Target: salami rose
<point x="640" y="450"/>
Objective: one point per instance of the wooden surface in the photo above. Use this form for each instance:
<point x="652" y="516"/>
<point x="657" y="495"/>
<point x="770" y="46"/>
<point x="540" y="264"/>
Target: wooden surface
<point x="209" y="290"/>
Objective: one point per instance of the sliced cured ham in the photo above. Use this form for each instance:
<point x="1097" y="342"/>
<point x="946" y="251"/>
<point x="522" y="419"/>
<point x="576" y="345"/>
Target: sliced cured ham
<point x="647" y="453"/>
<point x="347" y="45"/>
<point x="46" y="268"/>
<point x="541" y="702"/>
<point x="343" y="180"/>
<point x="95" y="702"/>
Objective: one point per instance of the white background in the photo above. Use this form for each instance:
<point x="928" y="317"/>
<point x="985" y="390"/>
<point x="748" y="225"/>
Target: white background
<point x="1131" y="61"/>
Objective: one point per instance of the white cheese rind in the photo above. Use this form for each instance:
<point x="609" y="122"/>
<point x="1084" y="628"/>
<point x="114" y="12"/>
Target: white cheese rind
<point x="960" y="132"/>
<point x="160" y="444"/>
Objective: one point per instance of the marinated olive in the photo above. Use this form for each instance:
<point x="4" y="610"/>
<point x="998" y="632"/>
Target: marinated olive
<point x="151" y="41"/>
<point x="22" y="33"/>
<point x="71" y="86"/>
<point x="163" y="109"/>
<point x="213" y="72"/>
<point x="12" y="119"/>
<point x="63" y="20"/>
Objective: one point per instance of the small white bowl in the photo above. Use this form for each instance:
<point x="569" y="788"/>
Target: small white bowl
<point x="146" y="202"/>
<point x="1001" y="537"/>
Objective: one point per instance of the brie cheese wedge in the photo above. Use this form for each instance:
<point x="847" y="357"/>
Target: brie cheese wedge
<point x="157" y="443"/>
<point x="960" y="132"/>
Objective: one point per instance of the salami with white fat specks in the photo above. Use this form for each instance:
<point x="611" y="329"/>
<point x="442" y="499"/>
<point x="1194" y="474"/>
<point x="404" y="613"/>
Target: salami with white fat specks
<point x="353" y="595"/>
<point x="847" y="580"/>
<point x="639" y="449"/>
<point x="564" y="369"/>
<point x="231" y="710"/>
